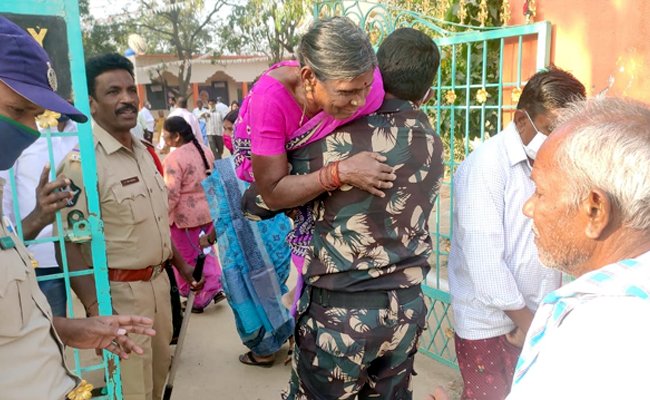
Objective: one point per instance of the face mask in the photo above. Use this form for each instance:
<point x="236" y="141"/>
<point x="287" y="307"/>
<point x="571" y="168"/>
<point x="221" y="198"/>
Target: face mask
<point x="15" y="137"/>
<point x="533" y="147"/>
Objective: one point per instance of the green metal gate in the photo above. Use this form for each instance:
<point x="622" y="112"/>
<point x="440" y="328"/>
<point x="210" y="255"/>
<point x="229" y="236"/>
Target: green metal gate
<point x="478" y="85"/>
<point x="56" y="25"/>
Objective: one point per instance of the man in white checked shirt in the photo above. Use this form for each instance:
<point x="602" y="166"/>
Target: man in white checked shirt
<point x="496" y="280"/>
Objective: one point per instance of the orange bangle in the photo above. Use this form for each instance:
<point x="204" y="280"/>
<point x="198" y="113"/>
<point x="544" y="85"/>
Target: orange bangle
<point x="335" y="174"/>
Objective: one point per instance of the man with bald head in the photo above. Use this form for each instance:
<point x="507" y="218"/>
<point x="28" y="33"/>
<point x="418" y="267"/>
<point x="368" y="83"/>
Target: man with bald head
<point x="591" y="219"/>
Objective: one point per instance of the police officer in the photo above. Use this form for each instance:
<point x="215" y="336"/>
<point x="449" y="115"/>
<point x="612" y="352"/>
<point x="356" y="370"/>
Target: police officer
<point x="31" y="341"/>
<point x="133" y="201"/>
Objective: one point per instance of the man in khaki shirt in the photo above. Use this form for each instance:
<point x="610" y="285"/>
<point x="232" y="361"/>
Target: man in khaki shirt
<point x="32" y="342"/>
<point x="133" y="202"/>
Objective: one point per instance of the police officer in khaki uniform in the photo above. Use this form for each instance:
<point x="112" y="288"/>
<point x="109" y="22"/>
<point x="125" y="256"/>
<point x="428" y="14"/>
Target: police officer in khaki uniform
<point x="133" y="202"/>
<point x="31" y="341"/>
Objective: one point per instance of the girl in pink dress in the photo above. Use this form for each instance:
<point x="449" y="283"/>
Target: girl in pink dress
<point x="189" y="215"/>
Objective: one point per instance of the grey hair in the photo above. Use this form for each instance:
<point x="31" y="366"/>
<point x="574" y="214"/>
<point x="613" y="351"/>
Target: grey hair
<point x="335" y="48"/>
<point x="609" y="148"/>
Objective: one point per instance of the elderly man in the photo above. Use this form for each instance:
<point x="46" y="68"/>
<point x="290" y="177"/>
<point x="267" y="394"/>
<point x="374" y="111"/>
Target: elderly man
<point x="496" y="280"/>
<point x="32" y="341"/>
<point x="591" y="218"/>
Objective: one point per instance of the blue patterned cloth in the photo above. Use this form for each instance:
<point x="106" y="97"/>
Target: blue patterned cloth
<point x="255" y="260"/>
<point x="627" y="278"/>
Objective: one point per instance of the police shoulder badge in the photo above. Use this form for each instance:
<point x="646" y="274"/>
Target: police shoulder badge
<point x="51" y="77"/>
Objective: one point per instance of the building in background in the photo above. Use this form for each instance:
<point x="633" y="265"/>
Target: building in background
<point x="228" y="77"/>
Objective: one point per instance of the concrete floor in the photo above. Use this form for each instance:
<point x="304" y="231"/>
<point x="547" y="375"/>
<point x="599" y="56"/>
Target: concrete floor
<point x="210" y="368"/>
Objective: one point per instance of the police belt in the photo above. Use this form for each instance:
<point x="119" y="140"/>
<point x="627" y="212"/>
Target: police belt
<point x="374" y="299"/>
<point x="133" y="275"/>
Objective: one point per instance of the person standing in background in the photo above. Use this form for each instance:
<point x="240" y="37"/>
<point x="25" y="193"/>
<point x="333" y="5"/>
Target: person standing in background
<point x="182" y="111"/>
<point x="201" y="113"/>
<point x="146" y="119"/>
<point x="189" y="215"/>
<point x="221" y="107"/>
<point x="215" y="130"/>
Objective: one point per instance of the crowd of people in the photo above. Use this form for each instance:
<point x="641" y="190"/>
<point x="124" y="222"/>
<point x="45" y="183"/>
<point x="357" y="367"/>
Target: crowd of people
<point x="334" y="169"/>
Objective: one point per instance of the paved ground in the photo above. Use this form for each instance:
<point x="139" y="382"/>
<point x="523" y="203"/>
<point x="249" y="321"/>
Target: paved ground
<point x="210" y="368"/>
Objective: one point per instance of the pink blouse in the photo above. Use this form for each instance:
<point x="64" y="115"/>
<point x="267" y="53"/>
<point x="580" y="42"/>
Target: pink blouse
<point x="269" y="121"/>
<point x="184" y="171"/>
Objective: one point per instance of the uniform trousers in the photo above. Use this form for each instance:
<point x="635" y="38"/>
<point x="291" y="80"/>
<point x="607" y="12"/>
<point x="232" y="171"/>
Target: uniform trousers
<point x="487" y="367"/>
<point x="348" y="353"/>
<point x="143" y="377"/>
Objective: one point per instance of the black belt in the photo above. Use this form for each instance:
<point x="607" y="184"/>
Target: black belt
<point x="374" y="299"/>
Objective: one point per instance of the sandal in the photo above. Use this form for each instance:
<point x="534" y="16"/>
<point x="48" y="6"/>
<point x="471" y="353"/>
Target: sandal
<point x="249" y="359"/>
<point x="219" y="297"/>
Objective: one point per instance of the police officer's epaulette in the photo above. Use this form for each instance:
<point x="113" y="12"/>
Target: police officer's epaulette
<point x="75" y="155"/>
<point x="147" y="143"/>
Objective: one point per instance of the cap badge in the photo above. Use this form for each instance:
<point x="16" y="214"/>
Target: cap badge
<point x="51" y="77"/>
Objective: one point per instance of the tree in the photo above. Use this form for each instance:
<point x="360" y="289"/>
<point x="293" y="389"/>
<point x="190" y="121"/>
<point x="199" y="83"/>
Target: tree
<point x="101" y="37"/>
<point x="181" y="27"/>
<point x="267" y="27"/>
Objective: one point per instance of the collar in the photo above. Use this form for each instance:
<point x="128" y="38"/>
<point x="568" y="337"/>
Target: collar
<point x="395" y="105"/>
<point x="108" y="142"/>
<point x="514" y="145"/>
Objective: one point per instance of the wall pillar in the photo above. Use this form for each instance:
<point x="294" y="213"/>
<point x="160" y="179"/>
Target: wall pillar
<point x="244" y="89"/>
<point x="195" y="93"/>
<point x="142" y="95"/>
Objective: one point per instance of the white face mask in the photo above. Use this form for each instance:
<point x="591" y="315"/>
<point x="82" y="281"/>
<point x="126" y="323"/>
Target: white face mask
<point x="533" y="147"/>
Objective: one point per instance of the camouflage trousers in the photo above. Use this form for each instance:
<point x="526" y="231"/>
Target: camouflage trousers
<point x="348" y="353"/>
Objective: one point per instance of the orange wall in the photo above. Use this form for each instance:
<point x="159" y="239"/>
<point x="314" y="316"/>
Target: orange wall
<point x="599" y="41"/>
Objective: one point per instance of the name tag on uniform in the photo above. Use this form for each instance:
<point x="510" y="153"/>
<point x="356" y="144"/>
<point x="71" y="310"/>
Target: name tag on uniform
<point x="130" y="181"/>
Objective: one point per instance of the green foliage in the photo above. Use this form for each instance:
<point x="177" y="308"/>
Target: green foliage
<point x="99" y="38"/>
<point x="266" y="27"/>
<point x="457" y="70"/>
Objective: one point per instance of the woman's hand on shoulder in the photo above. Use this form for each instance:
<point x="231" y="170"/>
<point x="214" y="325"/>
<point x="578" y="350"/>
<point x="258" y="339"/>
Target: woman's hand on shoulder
<point x="368" y="172"/>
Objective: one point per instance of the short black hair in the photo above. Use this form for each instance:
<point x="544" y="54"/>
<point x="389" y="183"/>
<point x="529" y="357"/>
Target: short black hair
<point x="408" y="60"/>
<point x="97" y="65"/>
<point x="182" y="102"/>
<point x="550" y="89"/>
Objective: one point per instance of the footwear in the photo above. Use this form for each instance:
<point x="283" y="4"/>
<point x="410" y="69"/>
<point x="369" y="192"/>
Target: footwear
<point x="249" y="359"/>
<point x="219" y="297"/>
<point x="197" y="310"/>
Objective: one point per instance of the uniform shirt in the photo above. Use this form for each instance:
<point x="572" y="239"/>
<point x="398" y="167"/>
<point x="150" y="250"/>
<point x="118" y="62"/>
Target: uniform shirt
<point x="493" y="263"/>
<point x="32" y="362"/>
<point x="133" y="200"/>
<point x="27" y="173"/>
<point x="184" y="172"/>
<point x="589" y="339"/>
<point x="363" y="242"/>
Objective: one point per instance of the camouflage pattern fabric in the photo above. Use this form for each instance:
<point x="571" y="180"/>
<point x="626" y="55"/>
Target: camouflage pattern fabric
<point x="348" y="353"/>
<point x="364" y="242"/>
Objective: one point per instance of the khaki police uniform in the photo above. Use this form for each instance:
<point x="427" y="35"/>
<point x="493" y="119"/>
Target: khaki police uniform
<point x="133" y="201"/>
<point x="32" y="362"/>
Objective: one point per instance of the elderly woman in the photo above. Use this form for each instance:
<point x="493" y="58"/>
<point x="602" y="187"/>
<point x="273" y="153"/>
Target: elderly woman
<point x="189" y="215"/>
<point x="294" y="103"/>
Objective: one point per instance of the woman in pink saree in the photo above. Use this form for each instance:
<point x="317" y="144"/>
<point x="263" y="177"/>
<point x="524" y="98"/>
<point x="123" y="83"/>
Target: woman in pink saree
<point x="294" y="103"/>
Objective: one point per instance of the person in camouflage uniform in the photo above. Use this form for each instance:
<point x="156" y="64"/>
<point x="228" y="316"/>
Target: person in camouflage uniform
<point x="362" y="311"/>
